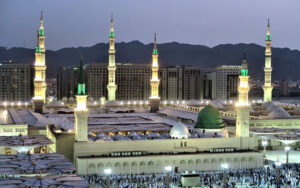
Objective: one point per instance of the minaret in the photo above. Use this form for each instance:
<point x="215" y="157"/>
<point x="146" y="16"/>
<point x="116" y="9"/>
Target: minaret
<point x="112" y="87"/>
<point x="242" y="107"/>
<point x="40" y="69"/>
<point x="81" y="112"/>
<point x="154" y="98"/>
<point x="268" y="68"/>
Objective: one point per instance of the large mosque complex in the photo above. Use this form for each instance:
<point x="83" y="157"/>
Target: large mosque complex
<point x="143" y="137"/>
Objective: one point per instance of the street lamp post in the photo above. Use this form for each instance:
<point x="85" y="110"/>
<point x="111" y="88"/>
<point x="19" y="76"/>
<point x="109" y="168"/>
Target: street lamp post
<point x="107" y="172"/>
<point x="224" y="166"/>
<point x="264" y="143"/>
<point x="168" y="170"/>
<point x="5" y="105"/>
<point x="287" y="150"/>
<point x="19" y="105"/>
<point x="278" y="164"/>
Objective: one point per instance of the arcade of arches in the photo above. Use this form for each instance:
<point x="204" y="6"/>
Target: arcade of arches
<point x="156" y="164"/>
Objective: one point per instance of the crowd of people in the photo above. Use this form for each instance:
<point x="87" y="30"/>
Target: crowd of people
<point x="271" y="176"/>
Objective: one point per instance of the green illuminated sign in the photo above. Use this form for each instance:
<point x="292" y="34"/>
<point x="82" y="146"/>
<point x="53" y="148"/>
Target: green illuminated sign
<point x="81" y="89"/>
<point x="41" y="32"/>
<point x="112" y="34"/>
<point x="38" y="49"/>
<point x="244" y="72"/>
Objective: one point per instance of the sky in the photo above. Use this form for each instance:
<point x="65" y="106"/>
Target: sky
<point x="74" y="23"/>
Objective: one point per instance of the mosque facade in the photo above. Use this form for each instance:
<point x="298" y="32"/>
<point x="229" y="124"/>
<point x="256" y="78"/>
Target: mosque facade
<point x="144" y="138"/>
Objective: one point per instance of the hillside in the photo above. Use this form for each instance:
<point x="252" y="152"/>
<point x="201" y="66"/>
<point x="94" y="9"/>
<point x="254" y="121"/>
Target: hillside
<point x="285" y="62"/>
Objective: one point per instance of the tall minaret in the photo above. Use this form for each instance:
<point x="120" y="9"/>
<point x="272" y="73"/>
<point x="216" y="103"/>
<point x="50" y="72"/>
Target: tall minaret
<point x="154" y="98"/>
<point x="112" y="87"/>
<point x="40" y="69"/>
<point x="242" y="107"/>
<point x="81" y="112"/>
<point x="268" y="68"/>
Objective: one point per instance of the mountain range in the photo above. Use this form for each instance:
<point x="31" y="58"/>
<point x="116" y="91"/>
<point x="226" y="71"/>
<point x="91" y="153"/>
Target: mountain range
<point x="285" y="62"/>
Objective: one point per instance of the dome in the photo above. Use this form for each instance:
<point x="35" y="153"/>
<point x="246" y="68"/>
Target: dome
<point x="179" y="131"/>
<point x="71" y="99"/>
<point x="64" y="99"/>
<point x="209" y="118"/>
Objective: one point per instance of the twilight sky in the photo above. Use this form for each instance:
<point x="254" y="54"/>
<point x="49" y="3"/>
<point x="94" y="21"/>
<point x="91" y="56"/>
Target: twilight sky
<point x="73" y="23"/>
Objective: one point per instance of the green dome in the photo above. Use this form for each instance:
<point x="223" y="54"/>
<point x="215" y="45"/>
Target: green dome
<point x="209" y="118"/>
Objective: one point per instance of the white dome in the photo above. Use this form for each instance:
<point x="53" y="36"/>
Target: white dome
<point x="71" y="99"/>
<point x="179" y="131"/>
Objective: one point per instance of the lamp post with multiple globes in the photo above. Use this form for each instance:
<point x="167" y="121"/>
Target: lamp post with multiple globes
<point x="168" y="170"/>
<point x="225" y="167"/>
<point x="278" y="165"/>
<point x="264" y="143"/>
<point x="107" y="172"/>
<point x="287" y="150"/>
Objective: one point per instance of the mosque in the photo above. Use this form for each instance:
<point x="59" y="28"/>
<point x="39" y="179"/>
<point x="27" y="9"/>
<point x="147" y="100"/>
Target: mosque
<point x="130" y="137"/>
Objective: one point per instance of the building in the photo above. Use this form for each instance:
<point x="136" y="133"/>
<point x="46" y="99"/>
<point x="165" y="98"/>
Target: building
<point x="40" y="86"/>
<point x="16" y="81"/>
<point x="131" y="140"/>
<point x="176" y="83"/>
<point x="171" y="80"/>
<point x="283" y="88"/>
<point x="243" y="108"/>
<point x="64" y="82"/>
<point x="51" y="87"/>
<point x="154" y="82"/>
<point x="132" y="80"/>
<point x="97" y="80"/>
<point x="111" y="86"/>
<point x="191" y="83"/>
<point x="227" y="82"/>
<point x="209" y="78"/>
<point x="67" y="81"/>
<point x="267" y="87"/>
<point x="180" y="83"/>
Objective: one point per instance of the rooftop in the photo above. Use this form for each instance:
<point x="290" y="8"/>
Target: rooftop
<point x="116" y="122"/>
<point x="11" y="141"/>
<point x="22" y="117"/>
<point x="44" y="181"/>
<point x="284" y="135"/>
<point x="26" y="164"/>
